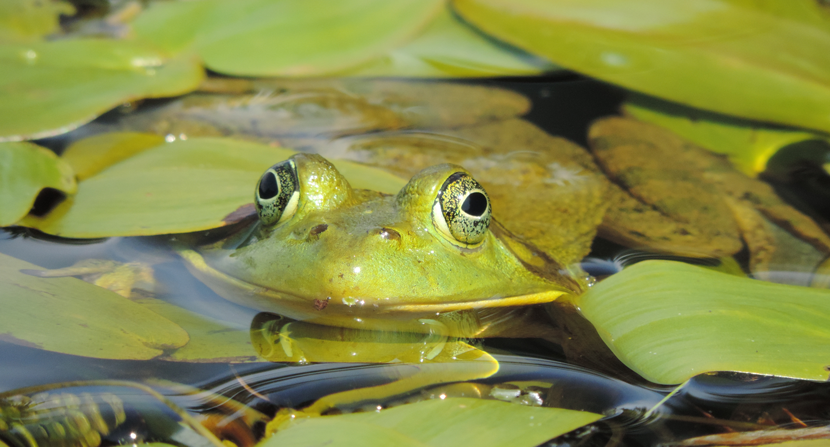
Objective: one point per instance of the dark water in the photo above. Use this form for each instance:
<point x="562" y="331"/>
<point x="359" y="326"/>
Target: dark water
<point x="635" y="412"/>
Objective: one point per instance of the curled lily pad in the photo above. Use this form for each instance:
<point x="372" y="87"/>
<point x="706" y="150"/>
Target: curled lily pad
<point x="91" y="155"/>
<point x="25" y="169"/>
<point x="670" y="321"/>
<point x="740" y="58"/>
<point x="47" y="88"/>
<point x="438" y="422"/>
<point x="80" y="319"/>
<point x="449" y="47"/>
<point x="178" y="187"/>
<point x="267" y="38"/>
<point x="749" y="144"/>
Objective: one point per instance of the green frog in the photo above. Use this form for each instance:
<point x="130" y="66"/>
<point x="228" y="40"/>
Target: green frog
<point x="431" y="258"/>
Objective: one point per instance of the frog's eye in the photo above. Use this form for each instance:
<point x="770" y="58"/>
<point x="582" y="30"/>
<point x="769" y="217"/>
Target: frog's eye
<point x="462" y="210"/>
<point x="277" y="193"/>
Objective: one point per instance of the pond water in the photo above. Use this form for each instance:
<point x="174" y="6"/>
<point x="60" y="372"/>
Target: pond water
<point x="534" y="369"/>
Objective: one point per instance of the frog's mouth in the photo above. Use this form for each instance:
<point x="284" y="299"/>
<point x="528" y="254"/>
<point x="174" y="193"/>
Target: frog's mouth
<point x="218" y="280"/>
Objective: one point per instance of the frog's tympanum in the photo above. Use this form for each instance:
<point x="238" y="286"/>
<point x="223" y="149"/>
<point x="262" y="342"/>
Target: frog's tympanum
<point x="431" y="258"/>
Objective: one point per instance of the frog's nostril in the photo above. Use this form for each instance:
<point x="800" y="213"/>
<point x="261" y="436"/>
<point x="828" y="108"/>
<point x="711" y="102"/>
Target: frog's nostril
<point x="387" y="233"/>
<point x="318" y="229"/>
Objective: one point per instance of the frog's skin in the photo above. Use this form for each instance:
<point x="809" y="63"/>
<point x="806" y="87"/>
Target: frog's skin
<point x="362" y="259"/>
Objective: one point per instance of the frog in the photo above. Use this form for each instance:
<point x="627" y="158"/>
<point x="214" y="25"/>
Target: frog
<point x="432" y="258"/>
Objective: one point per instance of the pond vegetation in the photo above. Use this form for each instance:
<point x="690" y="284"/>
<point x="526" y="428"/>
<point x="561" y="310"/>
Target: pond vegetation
<point x="265" y="222"/>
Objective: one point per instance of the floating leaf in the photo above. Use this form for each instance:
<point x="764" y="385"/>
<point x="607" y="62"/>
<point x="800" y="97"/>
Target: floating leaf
<point x="91" y="155"/>
<point x="47" y="88"/>
<point x="268" y="38"/>
<point x="449" y="47"/>
<point x="73" y="317"/>
<point x="730" y="56"/>
<point x="447" y="422"/>
<point x="748" y="144"/>
<point x="25" y="169"/>
<point x="800" y="437"/>
<point x="209" y="341"/>
<point x="30" y="20"/>
<point x="670" y="321"/>
<point x="179" y="187"/>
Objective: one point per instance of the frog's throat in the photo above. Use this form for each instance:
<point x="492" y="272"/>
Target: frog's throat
<point x="197" y="262"/>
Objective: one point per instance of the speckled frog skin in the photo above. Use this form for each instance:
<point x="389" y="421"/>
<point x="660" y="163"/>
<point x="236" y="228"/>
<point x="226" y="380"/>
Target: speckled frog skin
<point x="322" y="251"/>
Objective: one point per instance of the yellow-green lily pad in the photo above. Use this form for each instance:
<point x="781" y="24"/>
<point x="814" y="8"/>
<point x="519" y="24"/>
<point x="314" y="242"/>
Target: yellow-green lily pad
<point x="449" y="47"/>
<point x="284" y="38"/>
<point x="179" y="187"/>
<point x="47" y="88"/>
<point x="74" y="317"/>
<point x="670" y="321"/>
<point x="91" y="155"/>
<point x="25" y="169"/>
<point x="730" y="56"/>
<point x="748" y="144"/>
<point x="439" y="422"/>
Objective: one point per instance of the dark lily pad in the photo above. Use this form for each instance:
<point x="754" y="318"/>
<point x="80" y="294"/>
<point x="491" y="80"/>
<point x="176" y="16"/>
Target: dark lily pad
<point x="670" y="321"/>
<point x="25" y="169"/>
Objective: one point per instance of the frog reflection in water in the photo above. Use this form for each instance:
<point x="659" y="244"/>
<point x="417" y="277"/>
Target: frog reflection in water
<point x="429" y="259"/>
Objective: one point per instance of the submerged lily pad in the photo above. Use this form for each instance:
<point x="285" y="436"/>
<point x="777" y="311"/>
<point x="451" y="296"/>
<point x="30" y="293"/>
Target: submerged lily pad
<point x="447" y="422"/>
<point x="73" y="317"/>
<point x="730" y="56"/>
<point x="689" y="186"/>
<point x="267" y="38"/>
<point x="47" y="88"/>
<point x="25" y="169"/>
<point x="748" y="144"/>
<point x="670" y="321"/>
<point x="178" y="187"/>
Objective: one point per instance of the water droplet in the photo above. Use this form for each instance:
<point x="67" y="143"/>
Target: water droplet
<point x="614" y="59"/>
<point x="169" y="138"/>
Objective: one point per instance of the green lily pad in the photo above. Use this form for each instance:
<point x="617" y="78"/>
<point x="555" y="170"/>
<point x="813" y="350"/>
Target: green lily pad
<point x="267" y="38"/>
<point x="748" y="144"/>
<point x="91" y="155"/>
<point x="30" y="20"/>
<point x="730" y="56"/>
<point x="179" y="187"/>
<point x="80" y="319"/>
<point x="447" y="422"/>
<point x="47" y="88"/>
<point x="449" y="47"/>
<point x="25" y="169"/>
<point x="670" y="321"/>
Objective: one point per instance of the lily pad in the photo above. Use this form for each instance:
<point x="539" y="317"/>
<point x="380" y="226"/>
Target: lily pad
<point x="748" y="144"/>
<point x="47" y="88"/>
<point x="30" y="20"/>
<point x="25" y="169"/>
<point x="669" y="321"/>
<point x="91" y="155"/>
<point x="178" y="187"/>
<point x="730" y="56"/>
<point x="80" y="319"/>
<point x="267" y="38"/>
<point x="449" y="47"/>
<point x="447" y="422"/>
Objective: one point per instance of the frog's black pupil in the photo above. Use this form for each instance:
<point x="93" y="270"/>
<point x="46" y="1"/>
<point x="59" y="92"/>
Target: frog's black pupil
<point x="475" y="204"/>
<point x="268" y="186"/>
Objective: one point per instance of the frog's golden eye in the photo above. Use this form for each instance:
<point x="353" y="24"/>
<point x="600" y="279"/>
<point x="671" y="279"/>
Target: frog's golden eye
<point x="277" y="193"/>
<point x="462" y="210"/>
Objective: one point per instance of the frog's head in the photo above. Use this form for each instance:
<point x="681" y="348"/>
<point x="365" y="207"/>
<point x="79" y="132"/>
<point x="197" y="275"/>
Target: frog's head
<point x="432" y="246"/>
